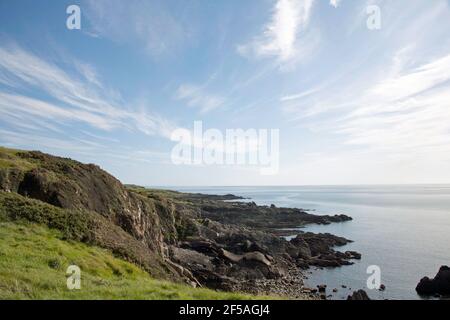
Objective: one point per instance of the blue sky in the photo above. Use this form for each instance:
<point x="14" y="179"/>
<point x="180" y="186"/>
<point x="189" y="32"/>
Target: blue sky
<point x="353" y="105"/>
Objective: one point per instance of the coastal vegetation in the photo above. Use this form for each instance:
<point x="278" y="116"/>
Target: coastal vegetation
<point x="139" y="243"/>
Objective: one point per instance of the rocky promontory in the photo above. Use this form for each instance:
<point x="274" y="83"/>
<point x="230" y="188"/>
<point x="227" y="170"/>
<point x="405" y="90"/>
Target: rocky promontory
<point x="439" y="285"/>
<point x="212" y="241"/>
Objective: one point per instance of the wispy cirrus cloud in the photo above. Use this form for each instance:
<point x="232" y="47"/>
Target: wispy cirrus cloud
<point x="280" y="37"/>
<point x="14" y="138"/>
<point x="405" y="114"/>
<point x="296" y="96"/>
<point x="335" y="3"/>
<point x="415" y="81"/>
<point x="89" y="73"/>
<point x="142" y="24"/>
<point x="390" y="104"/>
<point x="42" y="91"/>
<point x="85" y="147"/>
<point x="16" y="103"/>
<point x="198" y="97"/>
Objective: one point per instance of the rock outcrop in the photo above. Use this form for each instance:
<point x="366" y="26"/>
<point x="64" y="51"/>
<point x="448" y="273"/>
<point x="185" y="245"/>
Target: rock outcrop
<point x="440" y="284"/>
<point x="264" y="217"/>
<point x="317" y="250"/>
<point x="358" y="295"/>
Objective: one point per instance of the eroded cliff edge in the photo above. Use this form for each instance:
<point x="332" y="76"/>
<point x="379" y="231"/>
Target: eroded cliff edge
<point x="198" y="239"/>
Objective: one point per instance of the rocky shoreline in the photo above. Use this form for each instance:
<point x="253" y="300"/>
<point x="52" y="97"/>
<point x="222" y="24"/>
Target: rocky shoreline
<point x="437" y="287"/>
<point x="240" y="246"/>
<point x="214" y="241"/>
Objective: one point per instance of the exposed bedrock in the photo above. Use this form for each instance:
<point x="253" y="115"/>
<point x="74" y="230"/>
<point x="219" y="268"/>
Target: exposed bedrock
<point x="358" y="295"/>
<point x="440" y="284"/>
<point x="199" y="239"/>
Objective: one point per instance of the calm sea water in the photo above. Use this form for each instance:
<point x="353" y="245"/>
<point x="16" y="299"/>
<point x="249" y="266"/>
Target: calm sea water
<point x="405" y="230"/>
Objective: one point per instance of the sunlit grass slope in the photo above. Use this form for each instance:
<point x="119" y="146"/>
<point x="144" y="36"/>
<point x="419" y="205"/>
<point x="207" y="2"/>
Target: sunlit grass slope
<point x="34" y="259"/>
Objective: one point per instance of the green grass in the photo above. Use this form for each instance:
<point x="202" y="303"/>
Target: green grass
<point x="9" y="158"/>
<point x="34" y="259"/>
<point x="39" y="241"/>
<point x="73" y="224"/>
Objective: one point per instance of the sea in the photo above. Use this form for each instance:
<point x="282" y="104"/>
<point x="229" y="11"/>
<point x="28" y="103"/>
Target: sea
<point x="404" y="231"/>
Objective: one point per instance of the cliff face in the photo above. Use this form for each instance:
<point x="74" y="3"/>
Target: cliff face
<point x="123" y="221"/>
<point x="72" y="185"/>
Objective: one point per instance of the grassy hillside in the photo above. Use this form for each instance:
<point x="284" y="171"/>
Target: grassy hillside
<point x="56" y="212"/>
<point x="9" y="159"/>
<point x="34" y="259"/>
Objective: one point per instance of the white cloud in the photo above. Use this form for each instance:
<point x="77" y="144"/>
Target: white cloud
<point x="8" y="137"/>
<point x="144" y="24"/>
<point x="403" y="116"/>
<point x="196" y="96"/>
<point x="415" y="81"/>
<point x="335" y="3"/>
<point x="89" y="73"/>
<point x="76" y="97"/>
<point x="407" y="113"/>
<point x="10" y="103"/>
<point x="300" y="95"/>
<point x="280" y="37"/>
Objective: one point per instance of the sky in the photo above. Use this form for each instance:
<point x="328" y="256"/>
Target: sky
<point x="353" y="104"/>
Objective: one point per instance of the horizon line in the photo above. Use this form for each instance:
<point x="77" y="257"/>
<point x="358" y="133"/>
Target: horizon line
<point x="305" y="185"/>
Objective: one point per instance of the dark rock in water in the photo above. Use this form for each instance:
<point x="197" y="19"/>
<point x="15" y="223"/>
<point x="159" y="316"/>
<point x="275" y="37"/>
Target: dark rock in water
<point x="353" y="255"/>
<point x="322" y="287"/>
<point x="439" y="285"/>
<point x="335" y="290"/>
<point x="340" y="218"/>
<point x="199" y="196"/>
<point x="263" y="217"/>
<point x="359" y="295"/>
<point x="382" y="287"/>
<point x="317" y="250"/>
